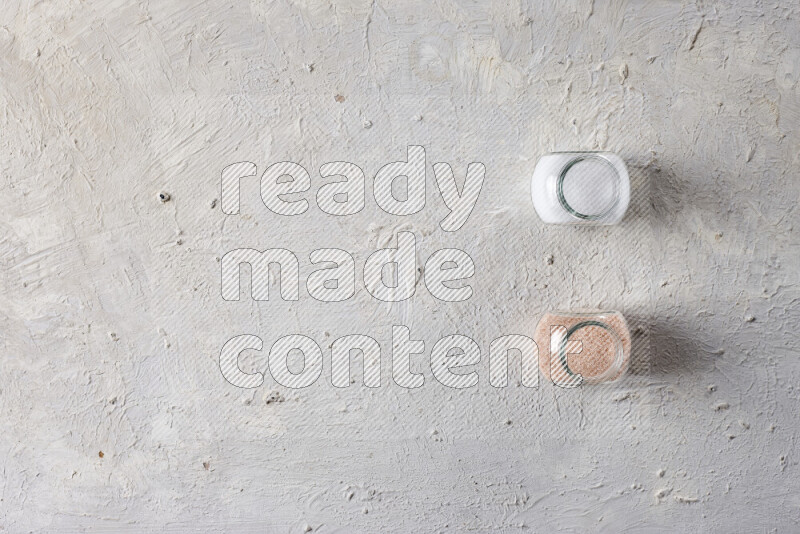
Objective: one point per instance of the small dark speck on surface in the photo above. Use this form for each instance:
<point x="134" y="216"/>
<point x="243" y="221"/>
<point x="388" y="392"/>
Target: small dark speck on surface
<point x="339" y="98"/>
<point x="100" y="454"/>
<point x="163" y="196"/>
<point x="274" y="397"/>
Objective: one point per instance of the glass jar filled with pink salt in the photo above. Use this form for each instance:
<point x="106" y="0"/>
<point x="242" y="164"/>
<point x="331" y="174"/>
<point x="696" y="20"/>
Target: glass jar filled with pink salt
<point x="590" y="347"/>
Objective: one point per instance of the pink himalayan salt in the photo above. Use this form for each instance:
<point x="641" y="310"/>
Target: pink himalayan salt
<point x="598" y="361"/>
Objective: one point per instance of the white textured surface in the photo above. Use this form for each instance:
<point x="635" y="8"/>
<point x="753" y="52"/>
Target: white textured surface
<point x="112" y="319"/>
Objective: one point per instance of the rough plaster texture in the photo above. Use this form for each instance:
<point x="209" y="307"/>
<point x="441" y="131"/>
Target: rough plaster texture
<point x="112" y="319"/>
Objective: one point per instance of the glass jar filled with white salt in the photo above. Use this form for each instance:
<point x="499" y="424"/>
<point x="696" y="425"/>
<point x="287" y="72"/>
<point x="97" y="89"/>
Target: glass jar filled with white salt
<point x="580" y="188"/>
<point x="577" y="347"/>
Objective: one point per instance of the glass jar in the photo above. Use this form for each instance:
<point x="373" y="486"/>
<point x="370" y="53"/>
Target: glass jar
<point x="580" y="188"/>
<point x="577" y="347"/>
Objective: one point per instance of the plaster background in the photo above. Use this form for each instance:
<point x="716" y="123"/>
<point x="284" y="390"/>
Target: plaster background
<point x="112" y="319"/>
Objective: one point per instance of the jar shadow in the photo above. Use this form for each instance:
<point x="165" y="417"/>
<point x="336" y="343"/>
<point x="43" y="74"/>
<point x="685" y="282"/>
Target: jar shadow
<point x="661" y="348"/>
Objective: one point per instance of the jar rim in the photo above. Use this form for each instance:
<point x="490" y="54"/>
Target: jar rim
<point x="619" y="355"/>
<point x="562" y="200"/>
